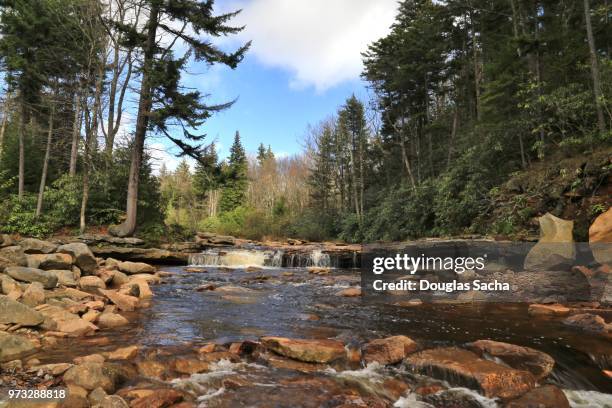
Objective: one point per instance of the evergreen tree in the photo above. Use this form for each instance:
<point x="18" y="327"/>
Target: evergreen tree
<point x="235" y="178"/>
<point x="261" y="154"/>
<point x="207" y="175"/>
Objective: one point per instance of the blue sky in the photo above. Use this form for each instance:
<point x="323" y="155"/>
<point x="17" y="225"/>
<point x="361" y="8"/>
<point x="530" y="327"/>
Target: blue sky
<point x="304" y="62"/>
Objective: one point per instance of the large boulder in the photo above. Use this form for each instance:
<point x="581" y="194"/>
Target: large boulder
<point x="310" y="351"/>
<point x="555" y="249"/>
<point x="13" y="312"/>
<point x="13" y="255"/>
<point x="133" y="268"/>
<point x="91" y="376"/>
<point x="13" y="347"/>
<point x="81" y="255"/>
<point x="548" y="396"/>
<point x="600" y="237"/>
<point x="589" y="322"/>
<point x="463" y="368"/>
<point x="49" y="261"/>
<point x="37" y="246"/>
<point x="522" y="358"/>
<point x="24" y="274"/>
<point x="390" y="350"/>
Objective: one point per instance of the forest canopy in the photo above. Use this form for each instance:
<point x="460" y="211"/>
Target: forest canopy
<point x="467" y="99"/>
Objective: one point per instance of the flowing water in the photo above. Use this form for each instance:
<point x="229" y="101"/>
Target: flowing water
<point x="292" y="302"/>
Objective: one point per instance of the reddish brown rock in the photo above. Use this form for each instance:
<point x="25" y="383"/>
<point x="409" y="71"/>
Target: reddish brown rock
<point x="548" y="310"/>
<point x="160" y="398"/>
<point x="349" y="292"/>
<point x="311" y="351"/>
<point x="151" y="368"/>
<point x="600" y="237"/>
<point x="463" y="368"/>
<point x="123" y="353"/>
<point x="189" y="366"/>
<point x="588" y="322"/>
<point x="390" y="350"/>
<point x="548" y="396"/>
<point x="522" y="358"/>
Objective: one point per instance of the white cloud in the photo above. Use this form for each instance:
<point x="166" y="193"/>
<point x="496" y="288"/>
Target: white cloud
<point x="161" y="155"/>
<point x="319" y="41"/>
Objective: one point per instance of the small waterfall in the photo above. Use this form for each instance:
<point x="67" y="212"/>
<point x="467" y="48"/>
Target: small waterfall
<point x="319" y="258"/>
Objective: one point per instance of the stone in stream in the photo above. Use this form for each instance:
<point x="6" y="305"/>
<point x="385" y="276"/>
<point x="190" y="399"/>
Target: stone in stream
<point x="14" y="347"/>
<point x="548" y="310"/>
<point x="13" y="312"/>
<point x="124" y="302"/>
<point x="600" y="237"/>
<point x="349" y="292"/>
<point x="189" y="366"/>
<point x="37" y="246"/>
<point x="24" y="274"/>
<point x="463" y="368"/>
<point x="389" y="350"/>
<point x="49" y="261"/>
<point x="151" y="369"/>
<point x="536" y="362"/>
<point x="589" y="322"/>
<point x="110" y="320"/>
<point x="91" y="283"/>
<point x="548" y="396"/>
<point x="310" y="351"/>
<point x="123" y="353"/>
<point x="91" y="375"/>
<point x="159" y="398"/>
<point x="81" y="256"/>
<point x="59" y="319"/>
<point x="555" y="248"/>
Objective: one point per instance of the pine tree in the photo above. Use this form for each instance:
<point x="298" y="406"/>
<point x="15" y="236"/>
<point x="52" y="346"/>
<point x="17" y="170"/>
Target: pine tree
<point x="207" y="175"/>
<point x="235" y="179"/>
<point x="261" y="154"/>
<point x="163" y="102"/>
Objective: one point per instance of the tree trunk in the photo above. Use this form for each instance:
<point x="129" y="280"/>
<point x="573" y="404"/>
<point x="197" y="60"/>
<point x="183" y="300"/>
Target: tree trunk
<point x="22" y="130"/>
<point x="601" y="124"/>
<point x="476" y="64"/>
<point x="76" y="130"/>
<point x="452" y="137"/>
<point x="43" y="177"/>
<point x="145" y="103"/>
<point x="5" y="111"/>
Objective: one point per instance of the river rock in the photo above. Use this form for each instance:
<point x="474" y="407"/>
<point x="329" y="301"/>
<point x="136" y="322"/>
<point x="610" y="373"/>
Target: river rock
<point x="453" y="398"/>
<point x="536" y="362"/>
<point x="124" y="302"/>
<point x="34" y="294"/>
<point x="81" y="255"/>
<point x="151" y="369"/>
<point x="310" y="351"/>
<point x="91" y="283"/>
<point x="37" y="246"/>
<point x="65" y="277"/>
<point x="389" y="350"/>
<point x="13" y="312"/>
<point x="6" y="240"/>
<point x="109" y="320"/>
<point x="588" y="322"/>
<point x="133" y="268"/>
<point x="91" y="376"/>
<point x="463" y="368"/>
<point x="144" y="290"/>
<point x="160" y="398"/>
<point x="14" y="347"/>
<point x="548" y="310"/>
<point x="600" y="237"/>
<point x="97" y="396"/>
<point x="204" y="238"/>
<point x="349" y="292"/>
<point x="119" y="278"/>
<point x="13" y="255"/>
<point x="25" y="274"/>
<point x="61" y="320"/>
<point x="189" y="366"/>
<point x="8" y="284"/>
<point x="548" y="396"/>
<point x="555" y="249"/>
<point x="49" y="261"/>
<point x="123" y="353"/>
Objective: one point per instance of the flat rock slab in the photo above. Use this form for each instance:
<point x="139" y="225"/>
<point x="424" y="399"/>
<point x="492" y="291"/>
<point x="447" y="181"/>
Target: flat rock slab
<point x="13" y="312"/>
<point x="522" y="358"/>
<point x="37" y="246"/>
<point x="463" y="368"/>
<point x="389" y="350"/>
<point x="310" y="351"/>
<point x="548" y="396"/>
<point x="24" y="274"/>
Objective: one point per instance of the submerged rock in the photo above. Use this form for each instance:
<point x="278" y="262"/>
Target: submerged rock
<point x="548" y="396"/>
<point x="13" y="312"/>
<point x="588" y="322"/>
<point x="189" y="366"/>
<point x="349" y="292"/>
<point x="311" y="351"/>
<point x="548" y="310"/>
<point x="390" y="350"/>
<point x="463" y="368"/>
<point x="536" y="362"/>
